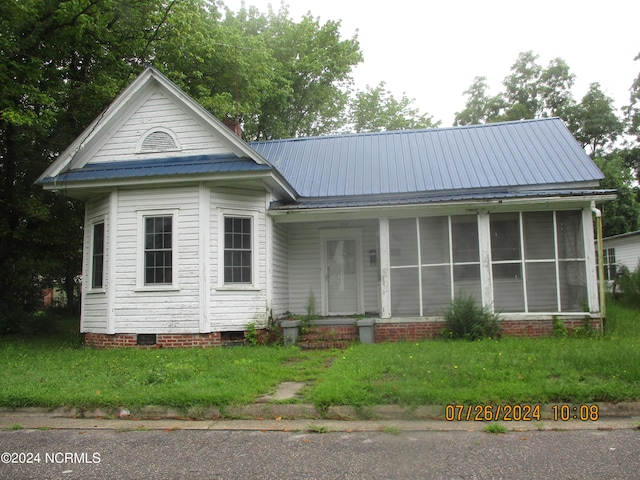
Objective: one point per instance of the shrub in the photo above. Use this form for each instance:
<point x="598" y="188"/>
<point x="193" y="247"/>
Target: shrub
<point x="629" y="286"/>
<point x="464" y="319"/>
<point x="559" y="328"/>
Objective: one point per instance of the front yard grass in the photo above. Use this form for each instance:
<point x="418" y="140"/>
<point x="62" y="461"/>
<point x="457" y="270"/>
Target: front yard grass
<point x="52" y="372"/>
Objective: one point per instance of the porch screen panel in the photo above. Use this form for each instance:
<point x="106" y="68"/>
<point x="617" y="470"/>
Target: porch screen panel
<point x="466" y="256"/>
<point x="571" y="261"/>
<point x="404" y="292"/>
<point x="434" y="240"/>
<point x="436" y="264"/>
<point x="540" y="261"/>
<point x="405" y="282"/>
<point x="436" y="289"/>
<point x="542" y="293"/>
<point x="538" y="235"/>
<point x="403" y="242"/>
<point x="506" y="256"/>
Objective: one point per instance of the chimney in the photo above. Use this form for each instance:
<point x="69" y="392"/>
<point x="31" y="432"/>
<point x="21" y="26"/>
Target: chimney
<point x="234" y="125"/>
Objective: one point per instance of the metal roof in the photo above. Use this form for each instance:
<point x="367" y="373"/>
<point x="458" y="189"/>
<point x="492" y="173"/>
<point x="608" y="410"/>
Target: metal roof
<point x="155" y="167"/>
<point x="492" y="156"/>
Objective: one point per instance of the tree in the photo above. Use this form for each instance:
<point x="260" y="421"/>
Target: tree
<point x="376" y="110"/>
<point x="312" y="68"/>
<point x="480" y="107"/>
<point x="632" y="111"/>
<point x="522" y="88"/>
<point x="530" y="91"/>
<point x="594" y="121"/>
<point x="48" y="93"/>
<point x="623" y="214"/>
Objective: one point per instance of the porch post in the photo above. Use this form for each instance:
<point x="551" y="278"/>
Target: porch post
<point x="484" y="236"/>
<point x="385" y="270"/>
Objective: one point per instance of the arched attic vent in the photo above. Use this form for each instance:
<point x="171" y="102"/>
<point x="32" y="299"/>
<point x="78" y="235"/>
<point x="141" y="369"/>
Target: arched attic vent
<point x="158" y="140"/>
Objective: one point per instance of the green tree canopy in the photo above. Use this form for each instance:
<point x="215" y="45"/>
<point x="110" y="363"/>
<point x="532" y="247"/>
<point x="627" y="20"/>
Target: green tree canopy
<point x="594" y="121"/>
<point x="376" y="110"/>
<point x="623" y="214"/>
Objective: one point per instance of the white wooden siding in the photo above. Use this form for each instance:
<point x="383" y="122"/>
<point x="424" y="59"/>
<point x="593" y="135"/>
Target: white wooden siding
<point x="233" y="308"/>
<point x="305" y="272"/>
<point x="166" y="311"/>
<point x="95" y="303"/>
<point x="159" y="111"/>
<point x="280" y="270"/>
<point x="627" y="250"/>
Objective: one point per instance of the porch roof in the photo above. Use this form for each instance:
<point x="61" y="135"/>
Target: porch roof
<point x="437" y="198"/>
<point x="530" y="154"/>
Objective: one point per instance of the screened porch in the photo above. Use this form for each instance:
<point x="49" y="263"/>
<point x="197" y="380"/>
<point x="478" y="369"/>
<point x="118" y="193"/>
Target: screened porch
<point x="527" y="262"/>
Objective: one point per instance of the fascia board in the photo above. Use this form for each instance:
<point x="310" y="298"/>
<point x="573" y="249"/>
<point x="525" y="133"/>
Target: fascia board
<point x="443" y="208"/>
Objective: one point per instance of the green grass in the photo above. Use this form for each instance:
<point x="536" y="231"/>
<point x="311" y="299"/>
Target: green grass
<point x="46" y="373"/>
<point x="56" y="371"/>
<point x="495" y="428"/>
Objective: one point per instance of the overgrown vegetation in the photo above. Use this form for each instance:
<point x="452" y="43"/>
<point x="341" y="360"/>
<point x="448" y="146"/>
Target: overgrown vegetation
<point x="464" y="319"/>
<point x="628" y="286"/>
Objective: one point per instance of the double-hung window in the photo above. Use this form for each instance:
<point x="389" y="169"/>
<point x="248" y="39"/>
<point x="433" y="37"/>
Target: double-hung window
<point x="238" y="250"/>
<point x="158" y="250"/>
<point x="97" y="256"/>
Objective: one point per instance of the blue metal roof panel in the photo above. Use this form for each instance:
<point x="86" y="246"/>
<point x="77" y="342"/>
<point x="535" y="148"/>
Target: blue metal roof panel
<point x="525" y="154"/>
<point x="156" y="167"/>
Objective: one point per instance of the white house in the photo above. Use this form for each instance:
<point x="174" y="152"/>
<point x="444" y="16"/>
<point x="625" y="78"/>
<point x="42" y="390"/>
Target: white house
<point x="621" y="251"/>
<point x="190" y="232"/>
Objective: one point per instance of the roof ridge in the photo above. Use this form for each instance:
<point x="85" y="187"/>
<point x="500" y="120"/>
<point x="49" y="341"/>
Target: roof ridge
<point x="407" y="131"/>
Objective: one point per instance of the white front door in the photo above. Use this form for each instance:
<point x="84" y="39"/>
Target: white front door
<point x="342" y="273"/>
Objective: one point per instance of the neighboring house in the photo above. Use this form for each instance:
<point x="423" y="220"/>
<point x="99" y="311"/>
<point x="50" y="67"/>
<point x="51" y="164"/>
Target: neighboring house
<point x="190" y="232"/>
<point x="621" y="251"/>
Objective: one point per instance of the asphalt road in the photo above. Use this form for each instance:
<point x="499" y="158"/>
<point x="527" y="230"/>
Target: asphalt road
<point x="203" y="454"/>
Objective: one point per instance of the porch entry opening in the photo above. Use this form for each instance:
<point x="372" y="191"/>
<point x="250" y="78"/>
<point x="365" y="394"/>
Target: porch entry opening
<point x="342" y="276"/>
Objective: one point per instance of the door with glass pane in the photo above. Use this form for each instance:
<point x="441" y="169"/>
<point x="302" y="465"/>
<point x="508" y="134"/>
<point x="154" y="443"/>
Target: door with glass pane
<point x="341" y="272"/>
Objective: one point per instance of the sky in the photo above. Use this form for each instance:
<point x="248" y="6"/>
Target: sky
<point x="432" y="50"/>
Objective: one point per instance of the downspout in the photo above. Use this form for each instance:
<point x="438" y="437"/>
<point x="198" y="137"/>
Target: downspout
<point x="601" y="285"/>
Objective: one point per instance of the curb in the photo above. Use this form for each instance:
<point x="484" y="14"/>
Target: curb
<point x="280" y="411"/>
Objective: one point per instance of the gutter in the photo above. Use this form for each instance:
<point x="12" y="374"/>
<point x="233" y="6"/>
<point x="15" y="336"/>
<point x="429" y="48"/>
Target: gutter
<point x="601" y="286"/>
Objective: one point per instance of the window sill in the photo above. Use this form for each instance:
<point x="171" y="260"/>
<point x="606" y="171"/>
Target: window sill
<point x="239" y="287"/>
<point x="158" y="288"/>
<point x="96" y="291"/>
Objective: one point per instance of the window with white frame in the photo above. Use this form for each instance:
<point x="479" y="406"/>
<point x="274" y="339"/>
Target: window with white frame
<point x="609" y="262"/>
<point x="158" y="250"/>
<point x="238" y="250"/>
<point x="97" y="255"/>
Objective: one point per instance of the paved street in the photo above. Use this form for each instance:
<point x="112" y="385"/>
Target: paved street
<point x="156" y="454"/>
